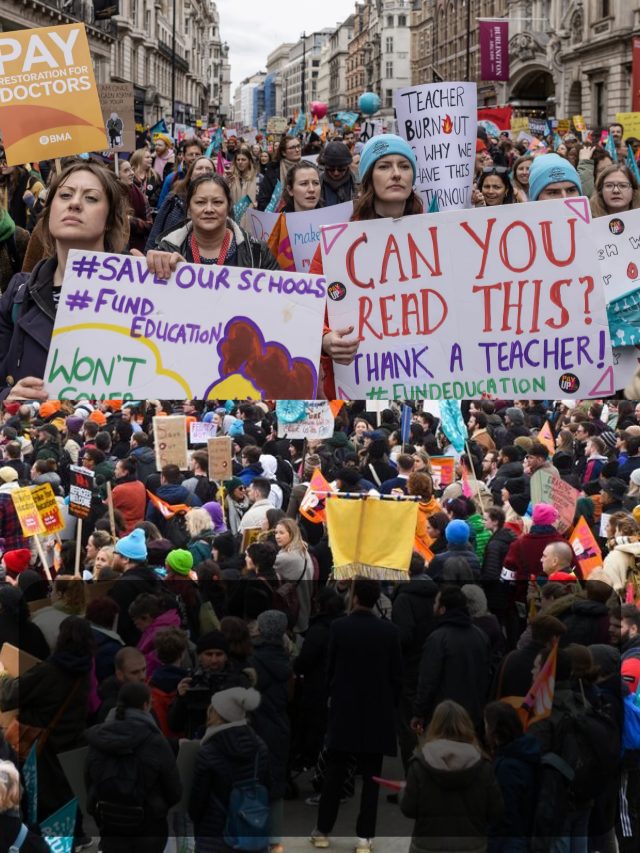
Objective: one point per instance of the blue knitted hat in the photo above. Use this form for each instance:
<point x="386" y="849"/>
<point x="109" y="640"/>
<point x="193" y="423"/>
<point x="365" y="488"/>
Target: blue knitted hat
<point x="381" y="146"/>
<point x="133" y="546"/>
<point x="550" y="169"/>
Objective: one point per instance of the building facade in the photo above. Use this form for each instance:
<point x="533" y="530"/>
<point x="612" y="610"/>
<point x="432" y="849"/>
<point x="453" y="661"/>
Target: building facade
<point x="276" y="61"/>
<point x="324" y="73"/>
<point x="218" y="72"/>
<point x="301" y="72"/>
<point x="338" y="54"/>
<point x="355" y="70"/>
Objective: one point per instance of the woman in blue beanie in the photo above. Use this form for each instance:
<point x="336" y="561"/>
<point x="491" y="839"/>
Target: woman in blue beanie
<point x="387" y="173"/>
<point x="552" y="177"/>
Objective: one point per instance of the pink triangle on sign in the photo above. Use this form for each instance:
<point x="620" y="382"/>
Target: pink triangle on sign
<point x="605" y="392"/>
<point x="579" y="206"/>
<point x="340" y="229"/>
<point x="342" y="394"/>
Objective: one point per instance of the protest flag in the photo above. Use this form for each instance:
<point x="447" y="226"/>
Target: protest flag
<point x="610" y="147"/>
<point x="276" y="197"/>
<point x="452" y="423"/>
<point x="433" y="205"/>
<point x="557" y="139"/>
<point x="405" y="424"/>
<point x="545" y="436"/>
<point x="538" y="702"/>
<point x="335" y="406"/>
<point x="467" y="491"/>
<point x="313" y="504"/>
<point x="629" y="597"/>
<point x="632" y="164"/>
<point x="585" y="547"/>
<point x="241" y="207"/>
<point x="280" y="245"/>
<point x="58" y="830"/>
<point x="160" y="127"/>
<point x="166" y="510"/>
<point x="220" y="164"/>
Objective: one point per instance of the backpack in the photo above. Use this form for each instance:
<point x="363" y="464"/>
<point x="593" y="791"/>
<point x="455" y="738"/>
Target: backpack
<point x="247" y="824"/>
<point x="120" y="795"/>
<point x="175" y="530"/>
<point x="21" y="838"/>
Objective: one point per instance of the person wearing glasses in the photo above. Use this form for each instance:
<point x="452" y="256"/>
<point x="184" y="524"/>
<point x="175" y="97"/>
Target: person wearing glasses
<point x="495" y="187"/>
<point x="617" y="190"/>
<point x="288" y="154"/>
<point x="339" y="182"/>
<point x="552" y="177"/>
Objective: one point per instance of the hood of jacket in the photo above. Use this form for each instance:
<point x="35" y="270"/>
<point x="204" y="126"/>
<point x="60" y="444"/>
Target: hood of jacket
<point x="455" y="765"/>
<point x="421" y="586"/>
<point x="457" y="618"/>
<point x="177" y="237"/>
<point x="167" y="677"/>
<point x="632" y="548"/>
<point x="525" y="748"/>
<point x="173" y="493"/>
<point x="122" y="736"/>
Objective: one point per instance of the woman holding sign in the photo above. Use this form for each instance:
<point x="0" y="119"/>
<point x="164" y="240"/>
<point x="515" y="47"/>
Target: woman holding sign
<point x="387" y="173"/>
<point x="86" y="208"/>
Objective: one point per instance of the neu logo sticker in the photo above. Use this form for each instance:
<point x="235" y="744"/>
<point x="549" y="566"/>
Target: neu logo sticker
<point x="557" y="174"/>
<point x="380" y="147"/>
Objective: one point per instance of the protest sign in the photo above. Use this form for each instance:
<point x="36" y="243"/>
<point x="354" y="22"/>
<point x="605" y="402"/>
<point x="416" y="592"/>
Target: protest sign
<point x="564" y="126"/>
<point x="30" y="775"/>
<point x="80" y="491"/>
<point x="304" y="230"/>
<point x="547" y="489"/>
<point x="439" y="121"/>
<point x="171" y="441"/>
<point x="538" y="126"/>
<point x="262" y="223"/>
<point x="578" y="123"/>
<point x="28" y="515"/>
<point x="626" y="361"/>
<point x="369" y="128"/>
<point x="48" y="508"/>
<point x="50" y="103"/>
<point x="58" y="830"/>
<point x="277" y="126"/>
<point x="442" y="471"/>
<point x="585" y="547"/>
<point x="456" y="305"/>
<point x="116" y="101"/>
<point x="317" y="423"/>
<point x="206" y="332"/>
<point x="630" y="122"/>
<point x="220" y="457"/>
<point x="500" y="116"/>
<point x="518" y="124"/>
<point x="617" y="243"/>
<point x="201" y="431"/>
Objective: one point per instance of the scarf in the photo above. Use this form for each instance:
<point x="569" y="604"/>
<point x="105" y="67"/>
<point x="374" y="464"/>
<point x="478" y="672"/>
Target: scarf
<point x="7" y="225"/>
<point x="285" y="167"/>
<point x="335" y="185"/>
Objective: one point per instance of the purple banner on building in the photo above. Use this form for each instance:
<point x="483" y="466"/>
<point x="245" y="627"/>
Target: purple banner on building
<point x="494" y="50"/>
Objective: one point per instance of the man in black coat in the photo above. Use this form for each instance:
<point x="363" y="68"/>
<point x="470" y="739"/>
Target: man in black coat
<point x="494" y="554"/>
<point x="364" y="674"/>
<point x="455" y="662"/>
<point x="510" y="469"/>
<point x="413" y="615"/>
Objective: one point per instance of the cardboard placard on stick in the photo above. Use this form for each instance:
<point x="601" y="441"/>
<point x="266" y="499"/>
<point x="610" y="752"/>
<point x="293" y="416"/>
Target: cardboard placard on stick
<point x="28" y="514"/>
<point x="80" y="491"/>
<point x="171" y="441"/>
<point x="48" y="508"/>
<point x="116" y="101"/>
<point x="219" y="457"/>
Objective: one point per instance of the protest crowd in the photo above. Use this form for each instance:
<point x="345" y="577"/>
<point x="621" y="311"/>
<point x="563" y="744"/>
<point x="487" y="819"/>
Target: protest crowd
<point x="213" y="648"/>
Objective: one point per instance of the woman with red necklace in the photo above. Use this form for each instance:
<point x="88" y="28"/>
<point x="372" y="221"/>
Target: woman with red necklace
<point x="209" y="235"/>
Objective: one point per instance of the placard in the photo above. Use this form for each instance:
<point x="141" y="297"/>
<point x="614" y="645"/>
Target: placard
<point x="564" y="126"/>
<point x="585" y="547"/>
<point x="201" y="431"/>
<point x="220" y="457"/>
<point x="48" y="94"/>
<point x="261" y="223"/>
<point x="439" y="121"/>
<point x="547" y="489"/>
<point x="518" y="124"/>
<point x="80" y="491"/>
<point x="48" y="508"/>
<point x="578" y="123"/>
<point x="459" y="305"/>
<point x="116" y="101"/>
<point x="170" y="439"/>
<point x="206" y="332"/>
<point x="442" y="471"/>
<point x="304" y="230"/>
<point x="276" y="126"/>
<point x="317" y="423"/>
<point x="631" y="124"/>
<point x="626" y="363"/>
<point x="28" y="515"/>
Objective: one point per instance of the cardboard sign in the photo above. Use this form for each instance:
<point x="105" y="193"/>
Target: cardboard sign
<point x="304" y="230"/>
<point x="200" y="431"/>
<point x="170" y="435"/>
<point x="27" y="511"/>
<point x="564" y="126"/>
<point x="456" y="305"/>
<point x="518" y="124"/>
<point x="578" y="123"/>
<point x="586" y="548"/>
<point x="48" y="508"/>
<point x="80" y="491"/>
<point x="220" y="451"/>
<point x="206" y="332"/>
<point x="50" y="103"/>
<point x="439" y="121"/>
<point x="442" y="471"/>
<point x="630" y="123"/>
<point x="116" y="101"/>
<point x="16" y="662"/>
<point x="277" y="126"/>
<point x="262" y="223"/>
<point x="626" y="362"/>
<point x="547" y="489"/>
<point x="617" y="243"/>
<point x="318" y="422"/>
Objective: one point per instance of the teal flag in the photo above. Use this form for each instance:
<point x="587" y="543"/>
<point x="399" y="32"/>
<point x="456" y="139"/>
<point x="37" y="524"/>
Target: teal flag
<point x="632" y="164"/>
<point x="275" y="198"/>
<point x="30" y="773"/>
<point x="611" y="148"/>
<point x="623" y="314"/>
<point x="58" y="830"/>
<point x="452" y="424"/>
<point x="348" y="119"/>
<point x="241" y="207"/>
<point x="433" y="206"/>
<point x="557" y="139"/>
<point x="160" y="127"/>
<point x="291" y="411"/>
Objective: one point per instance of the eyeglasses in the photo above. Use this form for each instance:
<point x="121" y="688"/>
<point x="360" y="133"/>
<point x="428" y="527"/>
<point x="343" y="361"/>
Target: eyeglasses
<point x="495" y="170"/>
<point x="294" y="148"/>
<point x="623" y="185"/>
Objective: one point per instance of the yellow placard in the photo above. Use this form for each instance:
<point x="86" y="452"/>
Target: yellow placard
<point x="518" y="124"/>
<point x="27" y="511"/>
<point x="578" y="123"/>
<point x="631" y="124"/>
<point x="48" y="508"/>
<point x="48" y="94"/>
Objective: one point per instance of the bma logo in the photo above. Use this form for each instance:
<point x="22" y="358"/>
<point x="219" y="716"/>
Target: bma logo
<point x="54" y="137"/>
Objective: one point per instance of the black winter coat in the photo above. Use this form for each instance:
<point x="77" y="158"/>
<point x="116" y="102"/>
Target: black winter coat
<point x="510" y="471"/>
<point x="269" y="180"/>
<point x="515" y="766"/>
<point x="364" y="674"/>
<point x="495" y="552"/>
<point x="413" y="616"/>
<point x="587" y="623"/>
<point x="270" y="721"/>
<point x="159" y="778"/>
<point x="25" y="636"/>
<point x="124" y="592"/>
<point x="455" y="665"/>
<point x="27" y="315"/>
<point x="436" y="566"/>
<point x="252" y="253"/>
<point x="188" y="714"/>
<point x="9" y="829"/>
<point x="228" y="756"/>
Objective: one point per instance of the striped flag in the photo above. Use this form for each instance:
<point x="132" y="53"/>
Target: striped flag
<point x="280" y="245"/>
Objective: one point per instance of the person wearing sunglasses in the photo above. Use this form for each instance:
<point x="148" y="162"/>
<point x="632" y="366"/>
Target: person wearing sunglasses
<point x="339" y="182"/>
<point x="495" y="186"/>
<point x="287" y="155"/>
<point x="552" y="177"/>
<point x="617" y="190"/>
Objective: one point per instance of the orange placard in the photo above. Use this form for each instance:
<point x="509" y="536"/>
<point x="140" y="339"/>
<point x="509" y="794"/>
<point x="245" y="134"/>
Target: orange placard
<point x="48" y="94"/>
<point x="545" y="436"/>
<point x="443" y="471"/>
<point x="48" y="508"/>
<point x="27" y="512"/>
<point x="585" y="547"/>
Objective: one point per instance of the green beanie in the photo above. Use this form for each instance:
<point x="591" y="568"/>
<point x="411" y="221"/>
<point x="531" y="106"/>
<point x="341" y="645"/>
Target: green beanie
<point x="180" y="561"/>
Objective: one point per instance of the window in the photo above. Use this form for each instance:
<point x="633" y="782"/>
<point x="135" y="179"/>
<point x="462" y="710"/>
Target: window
<point x="605" y="8"/>
<point x="389" y="70"/>
<point x="599" y="98"/>
<point x="186" y="26"/>
<point x="389" y="99"/>
<point x="147" y="22"/>
<point x="390" y="21"/>
<point x="134" y="12"/>
<point x="402" y="20"/>
<point x="389" y="44"/>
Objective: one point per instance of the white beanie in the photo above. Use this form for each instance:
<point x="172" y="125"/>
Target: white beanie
<point x="476" y="599"/>
<point x="232" y="704"/>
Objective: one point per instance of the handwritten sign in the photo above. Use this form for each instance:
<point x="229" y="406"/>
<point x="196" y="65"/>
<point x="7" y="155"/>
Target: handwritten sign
<point x="80" y="491"/>
<point x="27" y="511"/>
<point x="518" y="124"/>
<point x="457" y="305"/>
<point x="116" y="102"/>
<point x="317" y="423"/>
<point x="304" y="230"/>
<point x="547" y="489"/>
<point x="439" y="121"/>
<point x="170" y="436"/>
<point x="630" y="122"/>
<point x="48" y="508"/>
<point x="207" y="332"/>
<point x="442" y="471"/>
<point x="261" y="223"/>
<point x="200" y="431"/>
<point x="277" y="126"/>
<point x="220" y="457"/>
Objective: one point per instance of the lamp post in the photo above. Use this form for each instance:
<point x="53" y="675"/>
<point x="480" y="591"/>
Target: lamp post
<point x="173" y="64"/>
<point x="304" y="67"/>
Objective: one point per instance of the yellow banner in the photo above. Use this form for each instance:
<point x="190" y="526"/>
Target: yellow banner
<point x="631" y="124"/>
<point x="30" y="520"/>
<point x="518" y="124"/>
<point x="50" y="104"/>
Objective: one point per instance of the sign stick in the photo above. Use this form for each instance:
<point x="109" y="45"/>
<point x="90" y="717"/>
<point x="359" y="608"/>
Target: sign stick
<point x="58" y="166"/>
<point x="112" y="516"/>
<point x="472" y="470"/>
<point x="117" y="164"/>
<point x="43" y="558"/>
<point x="76" y="572"/>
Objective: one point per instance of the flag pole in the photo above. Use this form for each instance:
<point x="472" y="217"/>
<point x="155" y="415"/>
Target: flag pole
<point x="471" y="468"/>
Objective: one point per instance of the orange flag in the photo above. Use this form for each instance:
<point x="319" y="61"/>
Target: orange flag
<point x="335" y="406"/>
<point x="313" y="504"/>
<point x="545" y="436"/>
<point x="281" y="246"/>
<point x="585" y="547"/>
<point x="539" y="700"/>
<point x="166" y="510"/>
